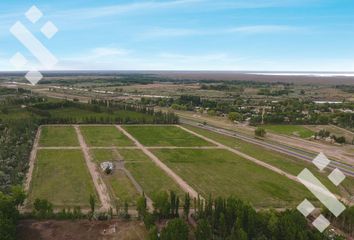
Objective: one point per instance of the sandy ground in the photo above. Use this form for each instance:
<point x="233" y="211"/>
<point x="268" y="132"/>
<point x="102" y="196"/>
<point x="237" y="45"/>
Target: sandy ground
<point x="80" y="230"/>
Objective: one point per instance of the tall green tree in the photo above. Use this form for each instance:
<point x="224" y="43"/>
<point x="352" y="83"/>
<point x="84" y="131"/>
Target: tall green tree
<point x="92" y="202"/>
<point x="141" y="206"/>
<point x="8" y="217"/>
<point x="203" y="231"/>
<point x="260" y="132"/>
<point x="153" y="234"/>
<point x="161" y="204"/>
<point x="187" y="205"/>
<point x="176" y="229"/>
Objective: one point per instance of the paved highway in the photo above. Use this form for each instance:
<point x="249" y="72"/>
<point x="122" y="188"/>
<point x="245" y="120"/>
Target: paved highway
<point x="292" y="151"/>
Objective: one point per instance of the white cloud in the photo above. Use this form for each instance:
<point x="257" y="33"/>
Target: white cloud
<point x="107" y="51"/>
<point x="107" y="58"/>
<point x="120" y="59"/>
<point x="253" y="29"/>
<point x="256" y="29"/>
<point x="142" y="7"/>
<point x="104" y="11"/>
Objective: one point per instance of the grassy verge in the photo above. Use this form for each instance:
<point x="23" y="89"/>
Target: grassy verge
<point x="291" y="130"/>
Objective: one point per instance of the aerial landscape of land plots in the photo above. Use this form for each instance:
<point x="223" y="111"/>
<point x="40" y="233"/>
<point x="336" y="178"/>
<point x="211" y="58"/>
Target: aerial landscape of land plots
<point x="60" y="173"/>
<point x="153" y="158"/>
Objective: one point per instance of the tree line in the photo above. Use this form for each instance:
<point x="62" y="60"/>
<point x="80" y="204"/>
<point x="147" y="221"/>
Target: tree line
<point x="223" y="219"/>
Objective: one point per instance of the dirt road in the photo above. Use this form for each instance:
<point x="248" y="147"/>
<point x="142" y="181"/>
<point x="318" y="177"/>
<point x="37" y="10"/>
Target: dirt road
<point x="263" y="164"/>
<point x="120" y="165"/>
<point x="183" y="184"/>
<point x="100" y="186"/>
<point x="32" y="160"/>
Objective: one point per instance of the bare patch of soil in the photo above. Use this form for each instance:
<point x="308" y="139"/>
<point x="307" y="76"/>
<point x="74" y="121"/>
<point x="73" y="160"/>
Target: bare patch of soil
<point x="80" y="230"/>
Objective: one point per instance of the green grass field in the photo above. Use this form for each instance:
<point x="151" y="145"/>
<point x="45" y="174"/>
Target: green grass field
<point x="104" y="136"/>
<point x="150" y="177"/>
<point x="165" y="136"/>
<point x="291" y="130"/>
<point x="286" y="163"/>
<point x="58" y="136"/>
<point x="222" y="173"/>
<point x="103" y="155"/>
<point x="62" y="178"/>
<point x="120" y="186"/>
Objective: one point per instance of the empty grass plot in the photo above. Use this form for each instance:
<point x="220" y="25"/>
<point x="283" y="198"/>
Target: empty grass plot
<point x="120" y="186"/>
<point x="104" y="136"/>
<point x="222" y="173"/>
<point x="62" y="178"/>
<point x="104" y="155"/>
<point x="284" y="162"/>
<point x="165" y="136"/>
<point x="149" y="176"/>
<point x="58" y="136"/>
<point x="291" y="130"/>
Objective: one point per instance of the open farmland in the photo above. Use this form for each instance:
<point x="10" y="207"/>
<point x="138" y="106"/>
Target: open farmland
<point x="165" y="136"/>
<point x="151" y="177"/>
<point x="62" y="178"/>
<point x="104" y="136"/>
<point x="222" y="173"/>
<point x="197" y="164"/>
<point x="287" y="163"/>
<point x="58" y="136"/>
<point x="291" y="130"/>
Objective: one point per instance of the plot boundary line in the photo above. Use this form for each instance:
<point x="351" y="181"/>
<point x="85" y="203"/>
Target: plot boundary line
<point x="98" y="182"/>
<point x="256" y="161"/>
<point x="177" y="179"/>
<point x="32" y="162"/>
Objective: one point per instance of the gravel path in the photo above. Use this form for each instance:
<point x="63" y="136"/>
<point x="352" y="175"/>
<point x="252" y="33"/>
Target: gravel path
<point x="183" y="184"/>
<point x="263" y="164"/>
<point x="96" y="178"/>
<point x="121" y="166"/>
<point x="32" y="160"/>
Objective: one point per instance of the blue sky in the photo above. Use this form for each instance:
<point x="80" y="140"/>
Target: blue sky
<point x="272" y="35"/>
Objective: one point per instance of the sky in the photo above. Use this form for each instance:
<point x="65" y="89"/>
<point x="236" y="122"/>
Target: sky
<point x="214" y="35"/>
